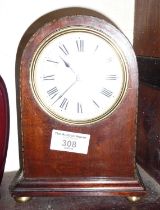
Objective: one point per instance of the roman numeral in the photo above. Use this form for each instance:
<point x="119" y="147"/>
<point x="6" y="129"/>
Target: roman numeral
<point x="109" y="59"/>
<point x="95" y="103"/>
<point x="106" y="92"/>
<point x="52" y="92"/>
<point x="52" y="61"/>
<point x="96" y="48"/>
<point x="79" y="108"/>
<point x="48" y="77"/>
<point x="111" y="77"/>
<point x="80" y="45"/>
<point x="64" y="103"/>
<point x="64" y="49"/>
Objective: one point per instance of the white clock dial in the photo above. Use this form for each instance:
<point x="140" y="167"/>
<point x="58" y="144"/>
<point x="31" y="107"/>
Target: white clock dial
<point x="78" y="75"/>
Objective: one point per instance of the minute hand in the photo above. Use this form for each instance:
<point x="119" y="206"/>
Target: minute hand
<point x="65" y="91"/>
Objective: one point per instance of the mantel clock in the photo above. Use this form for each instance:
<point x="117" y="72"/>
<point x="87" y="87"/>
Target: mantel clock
<point x="77" y="103"/>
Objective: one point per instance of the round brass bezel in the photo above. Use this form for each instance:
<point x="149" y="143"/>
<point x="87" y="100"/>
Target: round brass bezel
<point x="72" y="29"/>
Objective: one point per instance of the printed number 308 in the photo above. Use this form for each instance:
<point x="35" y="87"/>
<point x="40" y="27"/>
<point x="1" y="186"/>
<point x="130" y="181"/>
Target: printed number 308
<point x="68" y="143"/>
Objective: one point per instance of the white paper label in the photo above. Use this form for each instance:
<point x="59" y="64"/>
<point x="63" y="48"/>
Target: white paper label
<point x="70" y="141"/>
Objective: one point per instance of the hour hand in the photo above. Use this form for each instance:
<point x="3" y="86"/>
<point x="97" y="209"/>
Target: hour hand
<point x="65" y="63"/>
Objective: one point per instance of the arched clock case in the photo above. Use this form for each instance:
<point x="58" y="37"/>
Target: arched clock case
<point x="78" y="85"/>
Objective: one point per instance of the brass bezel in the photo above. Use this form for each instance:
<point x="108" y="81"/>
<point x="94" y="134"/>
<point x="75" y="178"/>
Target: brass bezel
<point x="72" y="29"/>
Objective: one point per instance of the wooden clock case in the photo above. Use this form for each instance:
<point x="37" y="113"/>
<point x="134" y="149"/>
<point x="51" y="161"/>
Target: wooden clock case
<point x="109" y="168"/>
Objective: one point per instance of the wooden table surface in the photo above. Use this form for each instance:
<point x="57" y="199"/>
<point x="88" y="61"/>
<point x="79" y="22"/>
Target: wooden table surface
<point x="150" y="202"/>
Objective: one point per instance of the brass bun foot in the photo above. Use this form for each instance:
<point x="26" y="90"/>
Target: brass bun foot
<point x="22" y="199"/>
<point x="133" y="198"/>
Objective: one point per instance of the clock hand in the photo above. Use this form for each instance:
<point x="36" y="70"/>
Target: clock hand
<point x="67" y="64"/>
<point x="65" y="91"/>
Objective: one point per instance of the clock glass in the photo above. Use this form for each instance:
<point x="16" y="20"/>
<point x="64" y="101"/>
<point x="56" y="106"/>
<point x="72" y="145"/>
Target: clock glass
<point x="78" y="75"/>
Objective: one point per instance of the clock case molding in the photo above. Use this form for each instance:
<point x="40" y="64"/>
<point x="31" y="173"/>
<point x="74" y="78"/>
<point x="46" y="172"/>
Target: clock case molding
<point x="109" y="168"/>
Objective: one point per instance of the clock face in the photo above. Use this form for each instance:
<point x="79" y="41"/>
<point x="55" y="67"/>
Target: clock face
<point x="78" y="75"/>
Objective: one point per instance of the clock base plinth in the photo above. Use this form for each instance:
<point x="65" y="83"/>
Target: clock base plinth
<point x="79" y="186"/>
